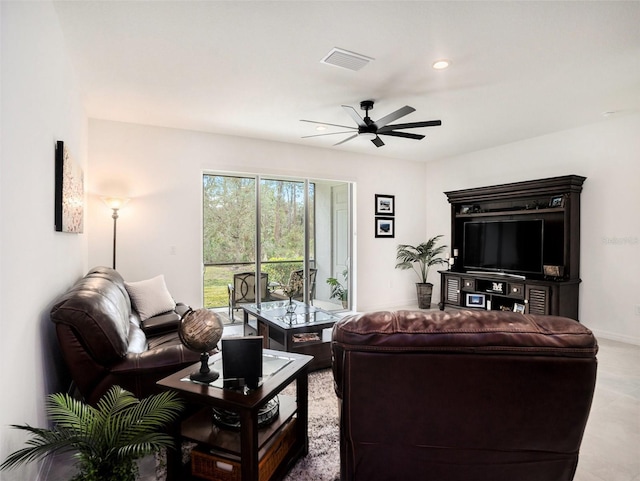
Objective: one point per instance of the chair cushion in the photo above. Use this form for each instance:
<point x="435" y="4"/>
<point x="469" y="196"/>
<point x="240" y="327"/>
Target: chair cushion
<point x="150" y="297"/>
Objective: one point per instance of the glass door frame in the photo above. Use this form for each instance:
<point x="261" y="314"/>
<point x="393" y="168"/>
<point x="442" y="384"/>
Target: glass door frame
<point x="307" y="181"/>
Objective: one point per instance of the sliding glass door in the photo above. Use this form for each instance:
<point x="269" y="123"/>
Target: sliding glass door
<point x="276" y="226"/>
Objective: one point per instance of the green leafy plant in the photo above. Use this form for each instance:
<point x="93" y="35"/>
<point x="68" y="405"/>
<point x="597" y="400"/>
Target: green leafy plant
<point x="338" y="291"/>
<point x="421" y="257"/>
<point x="107" y="438"/>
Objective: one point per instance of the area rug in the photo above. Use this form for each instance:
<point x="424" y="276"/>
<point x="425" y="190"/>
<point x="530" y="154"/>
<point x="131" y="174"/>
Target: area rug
<point x="323" y="461"/>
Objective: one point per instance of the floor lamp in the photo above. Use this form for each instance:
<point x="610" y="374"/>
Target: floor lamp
<point x="115" y="204"/>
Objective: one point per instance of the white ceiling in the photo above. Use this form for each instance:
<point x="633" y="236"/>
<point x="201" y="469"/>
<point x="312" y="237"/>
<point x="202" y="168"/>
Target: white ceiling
<point x="252" y="68"/>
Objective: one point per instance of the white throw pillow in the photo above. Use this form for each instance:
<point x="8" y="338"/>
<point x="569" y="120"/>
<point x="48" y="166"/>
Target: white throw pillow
<point x="150" y="297"/>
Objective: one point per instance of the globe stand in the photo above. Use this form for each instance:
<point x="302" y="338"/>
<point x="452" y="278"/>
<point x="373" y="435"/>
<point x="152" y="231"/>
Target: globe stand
<point x="205" y="375"/>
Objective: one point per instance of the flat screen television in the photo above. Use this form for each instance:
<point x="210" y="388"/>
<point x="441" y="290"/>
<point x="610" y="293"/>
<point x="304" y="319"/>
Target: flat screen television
<point x="511" y="246"/>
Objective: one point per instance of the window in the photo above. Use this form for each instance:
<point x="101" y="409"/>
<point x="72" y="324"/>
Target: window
<point x="230" y="233"/>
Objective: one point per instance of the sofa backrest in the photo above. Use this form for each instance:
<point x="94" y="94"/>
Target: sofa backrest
<point x="462" y="395"/>
<point x="98" y="309"/>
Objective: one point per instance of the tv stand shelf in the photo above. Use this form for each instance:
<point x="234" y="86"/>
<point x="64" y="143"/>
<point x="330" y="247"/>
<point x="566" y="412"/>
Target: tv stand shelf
<point x="497" y="292"/>
<point x="554" y="201"/>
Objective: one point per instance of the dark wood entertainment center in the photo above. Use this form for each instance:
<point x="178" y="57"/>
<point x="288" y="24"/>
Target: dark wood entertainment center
<point x="555" y="201"/>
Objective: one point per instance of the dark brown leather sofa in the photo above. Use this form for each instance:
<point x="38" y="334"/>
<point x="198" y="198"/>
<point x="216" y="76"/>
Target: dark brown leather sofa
<point x="462" y="395"/>
<point x="104" y="343"/>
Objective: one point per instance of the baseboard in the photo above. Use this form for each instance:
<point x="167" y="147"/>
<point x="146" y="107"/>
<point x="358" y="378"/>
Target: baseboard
<point x="612" y="336"/>
<point x="400" y="306"/>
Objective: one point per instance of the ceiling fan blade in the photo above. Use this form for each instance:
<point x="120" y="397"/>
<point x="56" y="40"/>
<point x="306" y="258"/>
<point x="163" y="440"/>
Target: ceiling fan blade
<point x="412" y="125"/>
<point x="401" y="112"/>
<point x="326" y="123"/>
<point x="346" y="140"/>
<point x="406" y="135"/>
<point x="377" y="141"/>
<point x="321" y="135"/>
<point x="354" y="115"/>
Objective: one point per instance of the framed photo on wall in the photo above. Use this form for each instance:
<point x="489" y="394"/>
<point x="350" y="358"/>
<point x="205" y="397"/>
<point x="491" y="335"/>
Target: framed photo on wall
<point x="385" y="227"/>
<point x="385" y="204"/>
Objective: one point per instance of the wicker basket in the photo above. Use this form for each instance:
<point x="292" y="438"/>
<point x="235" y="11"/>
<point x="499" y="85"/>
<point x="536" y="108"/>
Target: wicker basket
<point x="216" y="466"/>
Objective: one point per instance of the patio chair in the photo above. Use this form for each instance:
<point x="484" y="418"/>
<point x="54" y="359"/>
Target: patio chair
<point x="298" y="275"/>
<point x="243" y="290"/>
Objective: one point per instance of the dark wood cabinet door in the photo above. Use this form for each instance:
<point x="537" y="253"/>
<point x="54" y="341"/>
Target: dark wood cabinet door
<point x="537" y="298"/>
<point x="452" y="286"/>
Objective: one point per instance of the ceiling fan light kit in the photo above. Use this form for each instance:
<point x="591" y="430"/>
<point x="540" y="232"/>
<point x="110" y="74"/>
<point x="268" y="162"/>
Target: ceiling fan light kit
<point x="370" y="129"/>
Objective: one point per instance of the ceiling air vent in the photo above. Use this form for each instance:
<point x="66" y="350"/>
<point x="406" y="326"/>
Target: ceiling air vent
<point x="345" y="59"/>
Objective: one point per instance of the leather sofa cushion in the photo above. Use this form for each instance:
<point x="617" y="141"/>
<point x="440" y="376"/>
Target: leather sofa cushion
<point x="137" y="340"/>
<point x="473" y="331"/>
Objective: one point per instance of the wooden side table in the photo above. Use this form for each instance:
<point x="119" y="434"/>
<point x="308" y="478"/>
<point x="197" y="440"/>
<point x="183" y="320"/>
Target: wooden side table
<point x="280" y="369"/>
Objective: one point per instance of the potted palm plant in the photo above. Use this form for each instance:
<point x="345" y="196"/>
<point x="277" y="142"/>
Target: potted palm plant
<point x="338" y="291"/>
<point x="420" y="258"/>
<point x="108" y="438"/>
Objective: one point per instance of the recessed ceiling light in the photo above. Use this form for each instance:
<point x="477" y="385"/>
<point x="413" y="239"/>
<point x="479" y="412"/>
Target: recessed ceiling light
<point x="441" y="64"/>
<point x="321" y="127"/>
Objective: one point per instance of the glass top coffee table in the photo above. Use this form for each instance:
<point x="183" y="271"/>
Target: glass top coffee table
<point x="306" y="330"/>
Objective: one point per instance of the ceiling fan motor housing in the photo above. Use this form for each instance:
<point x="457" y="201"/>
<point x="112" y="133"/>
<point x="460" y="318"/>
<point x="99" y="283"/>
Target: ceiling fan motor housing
<point x="366" y="105"/>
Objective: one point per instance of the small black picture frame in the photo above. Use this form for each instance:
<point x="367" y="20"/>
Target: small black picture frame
<point x="242" y="361"/>
<point x="518" y="308"/>
<point x="385" y="204"/>
<point x="385" y="227"/>
<point x="466" y="209"/>
<point x="557" y="201"/>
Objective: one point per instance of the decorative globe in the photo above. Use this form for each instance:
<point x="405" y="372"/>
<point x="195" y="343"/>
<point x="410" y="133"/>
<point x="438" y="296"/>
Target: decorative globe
<point x="200" y="331"/>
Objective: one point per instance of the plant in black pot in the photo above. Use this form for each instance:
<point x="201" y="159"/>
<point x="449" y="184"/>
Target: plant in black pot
<point x="420" y="258"/>
<point x="107" y="438"/>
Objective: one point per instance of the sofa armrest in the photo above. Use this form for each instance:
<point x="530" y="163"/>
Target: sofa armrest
<point x="161" y="358"/>
<point x="162" y="323"/>
<point x="140" y="372"/>
<point x="165" y="322"/>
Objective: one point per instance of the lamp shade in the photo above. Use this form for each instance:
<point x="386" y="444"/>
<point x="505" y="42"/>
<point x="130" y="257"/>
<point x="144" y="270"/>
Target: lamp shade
<point x="115" y="202"/>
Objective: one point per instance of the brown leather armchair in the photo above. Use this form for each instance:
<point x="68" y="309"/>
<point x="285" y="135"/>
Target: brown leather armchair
<point x="462" y="395"/>
<point x="103" y="341"/>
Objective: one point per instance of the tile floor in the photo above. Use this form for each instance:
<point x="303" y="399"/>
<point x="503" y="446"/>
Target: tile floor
<point x="611" y="447"/>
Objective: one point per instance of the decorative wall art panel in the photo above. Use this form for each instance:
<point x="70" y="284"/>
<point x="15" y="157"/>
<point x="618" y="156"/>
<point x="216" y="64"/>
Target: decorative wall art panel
<point x="69" y="192"/>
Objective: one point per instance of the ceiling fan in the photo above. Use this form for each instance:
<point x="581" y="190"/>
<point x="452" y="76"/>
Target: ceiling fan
<point x="372" y="129"/>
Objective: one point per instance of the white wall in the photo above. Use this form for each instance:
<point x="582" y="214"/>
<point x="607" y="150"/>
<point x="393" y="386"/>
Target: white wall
<point x="608" y="154"/>
<point x="161" y="171"/>
<point x="39" y="104"/>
